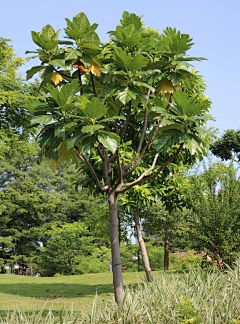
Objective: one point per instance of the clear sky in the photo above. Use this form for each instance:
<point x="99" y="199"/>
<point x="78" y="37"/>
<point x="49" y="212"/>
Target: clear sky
<point x="213" y="25"/>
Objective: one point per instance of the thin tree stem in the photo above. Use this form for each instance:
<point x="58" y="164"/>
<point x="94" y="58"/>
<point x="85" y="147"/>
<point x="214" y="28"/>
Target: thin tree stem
<point x="98" y="182"/>
<point x="93" y="85"/>
<point x="127" y="120"/>
<point x="80" y="81"/>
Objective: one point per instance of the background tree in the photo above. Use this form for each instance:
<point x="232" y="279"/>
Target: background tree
<point x="14" y="92"/>
<point x="227" y="146"/>
<point x="215" y="213"/>
<point x="144" y="81"/>
<point x="33" y="198"/>
<point x="67" y="242"/>
<point x="164" y="217"/>
<point x="165" y="224"/>
<point x="132" y="203"/>
<point x="27" y="198"/>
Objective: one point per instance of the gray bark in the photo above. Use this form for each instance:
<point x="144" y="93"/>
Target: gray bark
<point x="166" y="250"/>
<point x="146" y="263"/>
<point x="115" y="248"/>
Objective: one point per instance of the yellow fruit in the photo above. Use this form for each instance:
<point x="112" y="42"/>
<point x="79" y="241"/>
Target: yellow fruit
<point x="167" y="87"/>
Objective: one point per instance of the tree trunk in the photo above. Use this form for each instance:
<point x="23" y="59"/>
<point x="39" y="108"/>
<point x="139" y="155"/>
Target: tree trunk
<point x="119" y="230"/>
<point x="146" y="264"/>
<point x="115" y="248"/>
<point x="166" y="250"/>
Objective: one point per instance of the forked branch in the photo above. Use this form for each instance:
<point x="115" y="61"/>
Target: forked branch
<point x="138" y="157"/>
<point x="141" y="179"/>
<point x="98" y="182"/>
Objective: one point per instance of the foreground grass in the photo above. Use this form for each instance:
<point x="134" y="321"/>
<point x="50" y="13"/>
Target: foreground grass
<point x="71" y="291"/>
<point x="192" y="297"/>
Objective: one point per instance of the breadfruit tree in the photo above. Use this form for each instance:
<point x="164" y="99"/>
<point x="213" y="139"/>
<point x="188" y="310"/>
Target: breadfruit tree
<point x="120" y="103"/>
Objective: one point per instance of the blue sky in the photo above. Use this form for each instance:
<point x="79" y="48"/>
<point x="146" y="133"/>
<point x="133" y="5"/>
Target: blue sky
<point x="213" y="25"/>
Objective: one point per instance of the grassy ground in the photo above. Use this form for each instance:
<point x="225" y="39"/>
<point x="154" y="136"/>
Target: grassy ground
<point x="73" y="291"/>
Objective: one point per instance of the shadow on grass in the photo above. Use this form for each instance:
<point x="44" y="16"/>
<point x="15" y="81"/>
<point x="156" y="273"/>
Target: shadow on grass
<point x="55" y="290"/>
<point x="58" y="293"/>
<point x="51" y="293"/>
<point x="42" y="313"/>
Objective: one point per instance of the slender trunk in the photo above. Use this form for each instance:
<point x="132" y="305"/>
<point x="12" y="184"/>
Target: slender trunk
<point x="119" y="230"/>
<point x="146" y="264"/>
<point x="166" y="250"/>
<point x="115" y="248"/>
<point x="69" y="265"/>
<point x="31" y="267"/>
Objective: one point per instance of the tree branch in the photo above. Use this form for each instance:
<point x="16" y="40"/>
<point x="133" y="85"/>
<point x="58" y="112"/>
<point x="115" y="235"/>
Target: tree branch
<point x="120" y="170"/>
<point x="141" y="138"/>
<point x="148" y="144"/>
<point x="80" y="81"/>
<point x="131" y="184"/>
<point x="105" y="168"/>
<point x="141" y="180"/>
<point x="117" y="132"/>
<point x="64" y="75"/>
<point x="93" y="85"/>
<point x="98" y="182"/>
<point x="139" y="145"/>
<point x="100" y="152"/>
<point x="127" y="120"/>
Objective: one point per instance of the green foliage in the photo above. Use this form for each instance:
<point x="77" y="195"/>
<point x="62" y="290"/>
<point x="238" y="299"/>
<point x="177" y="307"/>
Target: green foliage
<point x="98" y="261"/>
<point x="166" y="214"/>
<point x="187" y="313"/>
<point x="184" y="111"/>
<point x="14" y="92"/>
<point x="28" y="203"/>
<point x="70" y="250"/>
<point x="155" y="256"/>
<point x="126" y="63"/>
<point x="33" y="198"/>
<point x="66" y="242"/>
<point x="80" y="30"/>
<point x="186" y="261"/>
<point x="176" y="244"/>
<point x="228" y="146"/>
<point x="215" y="211"/>
<point x="47" y="38"/>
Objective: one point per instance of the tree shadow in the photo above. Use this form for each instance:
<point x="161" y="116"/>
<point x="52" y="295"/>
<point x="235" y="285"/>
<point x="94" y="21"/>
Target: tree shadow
<point x="52" y="292"/>
<point x="49" y="290"/>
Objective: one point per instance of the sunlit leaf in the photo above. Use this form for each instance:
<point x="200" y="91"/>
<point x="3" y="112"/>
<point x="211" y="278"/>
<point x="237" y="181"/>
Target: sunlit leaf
<point x="34" y="70"/>
<point x="55" y="77"/>
<point x="107" y="140"/>
<point x="92" y="128"/>
<point x="94" y="68"/>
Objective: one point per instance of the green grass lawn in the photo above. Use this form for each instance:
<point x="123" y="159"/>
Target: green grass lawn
<point x="73" y="291"/>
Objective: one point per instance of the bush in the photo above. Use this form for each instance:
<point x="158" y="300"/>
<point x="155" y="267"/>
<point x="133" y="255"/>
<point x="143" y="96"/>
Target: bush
<point x="190" y="260"/>
<point x="97" y="262"/>
<point x="155" y="255"/>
